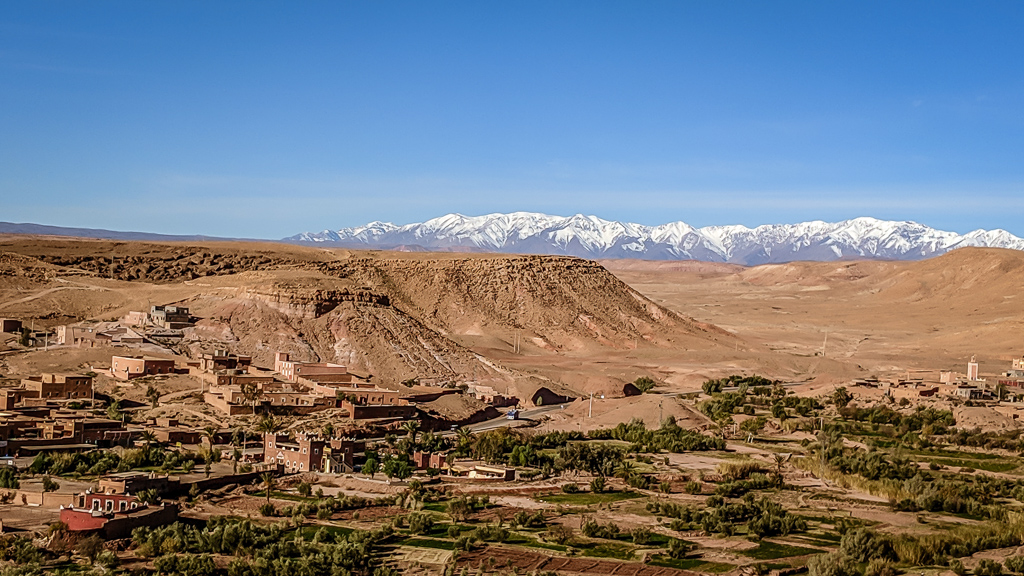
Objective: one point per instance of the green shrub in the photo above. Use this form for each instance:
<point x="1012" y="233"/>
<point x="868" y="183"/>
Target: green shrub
<point x="678" y="549"/>
<point x="641" y="536"/>
<point x="528" y="520"/>
<point x="644" y="384"/>
<point x="988" y="567"/>
<point x="420" y="523"/>
<point x="491" y="533"/>
<point x="1015" y="564"/>
<point x="832" y="564"/>
<point x="879" y="567"/>
<point x="592" y="529"/>
<point x="864" y="545"/>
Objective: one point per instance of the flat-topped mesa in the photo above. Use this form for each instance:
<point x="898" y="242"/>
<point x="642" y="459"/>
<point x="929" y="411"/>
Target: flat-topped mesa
<point x="312" y="303"/>
<point x="558" y="302"/>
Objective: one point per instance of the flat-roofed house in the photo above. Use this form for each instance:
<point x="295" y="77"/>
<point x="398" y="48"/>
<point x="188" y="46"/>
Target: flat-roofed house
<point x="128" y="367"/>
<point x="304" y="454"/>
<point x="52" y="386"/>
<point x="314" y="371"/>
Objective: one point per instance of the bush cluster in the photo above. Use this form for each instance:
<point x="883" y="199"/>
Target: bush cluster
<point x="762" y="517"/>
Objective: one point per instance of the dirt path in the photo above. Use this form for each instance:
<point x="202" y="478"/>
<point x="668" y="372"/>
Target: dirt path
<point x="167" y="398"/>
<point x="48" y="291"/>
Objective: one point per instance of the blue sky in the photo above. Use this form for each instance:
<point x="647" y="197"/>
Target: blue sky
<point x="259" y="119"/>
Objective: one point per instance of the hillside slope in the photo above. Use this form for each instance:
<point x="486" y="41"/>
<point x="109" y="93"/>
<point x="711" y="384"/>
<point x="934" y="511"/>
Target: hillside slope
<point x="932" y="314"/>
<point x="397" y="316"/>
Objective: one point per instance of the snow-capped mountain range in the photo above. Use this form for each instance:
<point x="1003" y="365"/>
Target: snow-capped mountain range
<point x="592" y="237"/>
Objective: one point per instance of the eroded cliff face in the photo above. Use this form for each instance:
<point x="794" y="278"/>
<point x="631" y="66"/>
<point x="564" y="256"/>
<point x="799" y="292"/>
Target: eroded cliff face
<point x="557" y="303"/>
<point x="306" y="302"/>
<point x="370" y="337"/>
<point x="325" y="318"/>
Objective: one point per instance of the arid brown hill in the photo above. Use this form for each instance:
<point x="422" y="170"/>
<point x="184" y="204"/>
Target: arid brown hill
<point x="397" y="316"/>
<point x="875" y="317"/>
<point x="549" y="302"/>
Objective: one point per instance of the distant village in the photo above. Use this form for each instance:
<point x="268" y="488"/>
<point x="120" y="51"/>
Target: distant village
<point x="55" y="414"/>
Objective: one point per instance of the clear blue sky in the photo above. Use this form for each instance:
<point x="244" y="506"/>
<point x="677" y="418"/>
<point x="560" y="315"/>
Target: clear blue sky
<point x="262" y="119"/>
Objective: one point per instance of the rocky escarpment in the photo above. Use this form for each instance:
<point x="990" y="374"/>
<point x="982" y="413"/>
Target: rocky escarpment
<point x="181" y="264"/>
<point x="156" y="262"/>
<point x="311" y="302"/>
<point x="25" y="267"/>
<point x="557" y="303"/>
<point x="360" y="330"/>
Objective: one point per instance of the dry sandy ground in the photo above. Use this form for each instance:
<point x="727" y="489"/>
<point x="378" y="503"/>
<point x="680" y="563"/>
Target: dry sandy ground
<point x="881" y="318"/>
<point x="608" y="412"/>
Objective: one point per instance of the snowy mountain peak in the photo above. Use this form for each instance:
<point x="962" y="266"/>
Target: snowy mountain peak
<point x="593" y="237"/>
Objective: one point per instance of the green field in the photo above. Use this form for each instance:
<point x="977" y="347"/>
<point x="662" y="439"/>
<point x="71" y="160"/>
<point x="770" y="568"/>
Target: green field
<point x="588" y="498"/>
<point x="770" y="551"/>
<point x="694" y="564"/>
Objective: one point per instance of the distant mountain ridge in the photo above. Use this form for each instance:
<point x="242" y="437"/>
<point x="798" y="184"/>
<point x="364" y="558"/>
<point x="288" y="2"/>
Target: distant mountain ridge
<point x="97" y="233"/>
<point x="593" y="237"/>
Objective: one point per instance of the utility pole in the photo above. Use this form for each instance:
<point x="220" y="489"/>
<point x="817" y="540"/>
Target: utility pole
<point x="823" y="344"/>
<point x="590" y="414"/>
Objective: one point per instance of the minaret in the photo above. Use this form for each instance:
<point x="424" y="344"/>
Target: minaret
<point x="972" y="369"/>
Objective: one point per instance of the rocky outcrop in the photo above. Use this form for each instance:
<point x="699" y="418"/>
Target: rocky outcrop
<point x="311" y="303"/>
<point x="184" y="263"/>
<point x="557" y="303"/>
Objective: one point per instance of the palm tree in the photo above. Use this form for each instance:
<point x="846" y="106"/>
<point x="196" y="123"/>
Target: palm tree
<point x="236" y="455"/>
<point x="268" y="483"/>
<point x="114" y="410"/>
<point x="328" y="431"/>
<point x="251" y="393"/>
<point x="412" y="427"/>
<point x="149" y="438"/>
<point x="267" y="425"/>
<point x="465" y="436"/>
<point x="625" y="469"/>
<point x="209" y="432"/>
<point x="779" y="459"/>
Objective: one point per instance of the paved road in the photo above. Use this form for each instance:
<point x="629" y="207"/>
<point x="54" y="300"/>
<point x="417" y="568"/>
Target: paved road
<point x="526" y="417"/>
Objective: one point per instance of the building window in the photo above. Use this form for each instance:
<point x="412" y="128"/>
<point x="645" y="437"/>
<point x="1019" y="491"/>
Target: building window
<point x="110" y="505"/>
